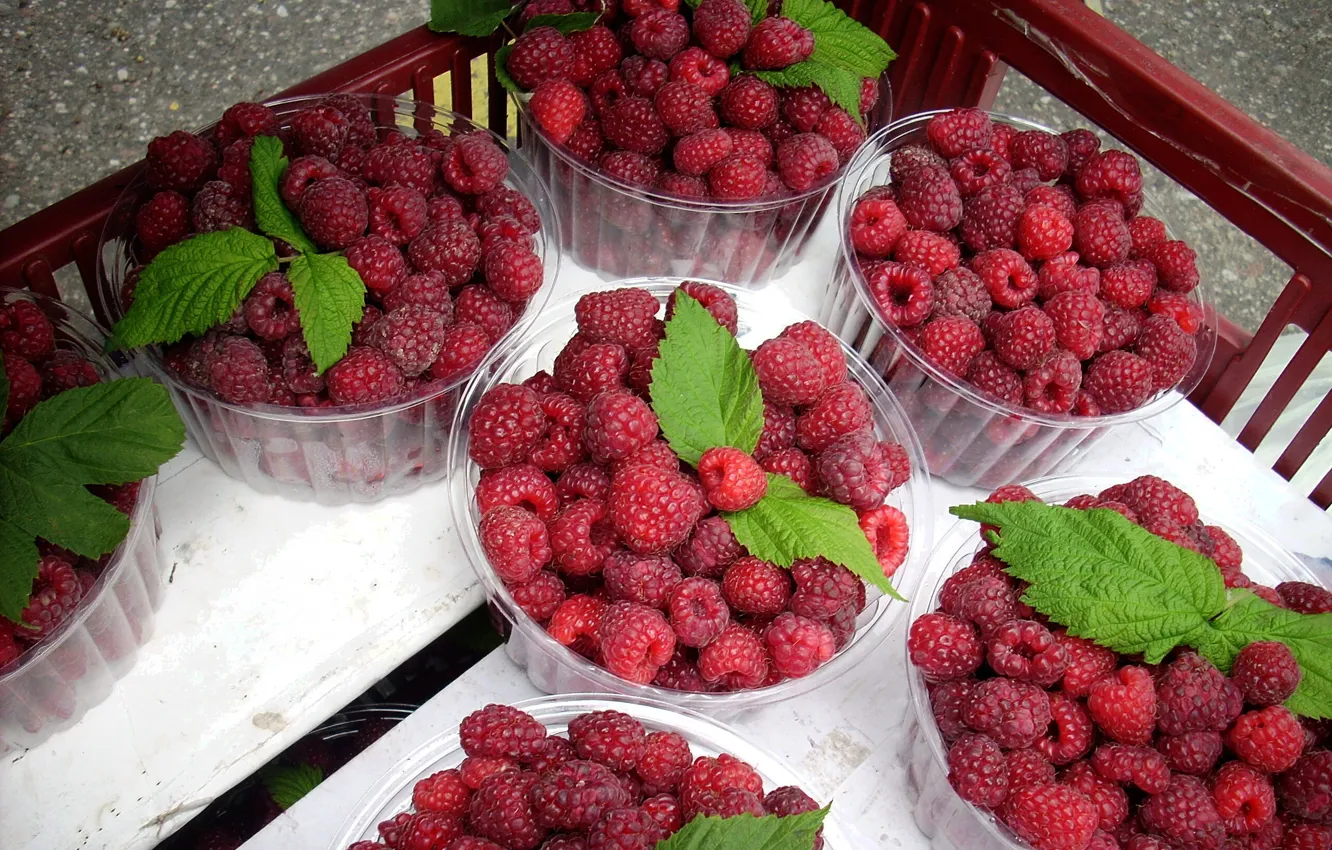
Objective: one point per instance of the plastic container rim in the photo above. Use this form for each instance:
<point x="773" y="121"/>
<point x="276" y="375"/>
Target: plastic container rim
<point x="550" y="260"/>
<point x="866" y="639"/>
<point x="857" y="169"/>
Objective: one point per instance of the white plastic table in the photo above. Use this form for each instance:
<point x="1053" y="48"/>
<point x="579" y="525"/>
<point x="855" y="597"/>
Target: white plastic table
<point x="278" y="613"/>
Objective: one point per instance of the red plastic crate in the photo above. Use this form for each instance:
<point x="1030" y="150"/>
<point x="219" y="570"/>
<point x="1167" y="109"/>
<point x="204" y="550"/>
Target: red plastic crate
<point x="952" y="52"/>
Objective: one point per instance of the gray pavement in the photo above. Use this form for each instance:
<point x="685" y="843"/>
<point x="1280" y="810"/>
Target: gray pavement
<point x="84" y="84"/>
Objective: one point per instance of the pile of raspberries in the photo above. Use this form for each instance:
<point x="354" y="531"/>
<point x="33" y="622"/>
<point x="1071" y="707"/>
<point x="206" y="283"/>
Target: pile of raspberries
<point x="609" y="785"/>
<point x="602" y="536"/>
<point x="1074" y="746"/>
<point x="37" y="370"/>
<point x="648" y="97"/>
<point x="445" y="248"/>
<point x="1018" y="261"/>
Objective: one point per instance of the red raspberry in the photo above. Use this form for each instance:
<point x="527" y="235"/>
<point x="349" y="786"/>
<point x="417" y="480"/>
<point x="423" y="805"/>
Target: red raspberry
<point x="515" y="543"/>
<point x="244" y="120"/>
<point x="978" y="169"/>
<point x="381" y="267"/>
<point x="1079" y="321"/>
<point x="947" y="700"/>
<point x="501" y="810"/>
<point x="1141" y="766"/>
<point x="1184" y="814"/>
<point x="1100" y="235"/>
<point x="1015" y="714"/>
<point x="852" y="470"/>
<point x="1192" y="752"/>
<point x="1244" y="798"/>
<point x="558" y="107"/>
<point x="788" y="372"/>
<point x="1007" y="277"/>
<point x="951" y="342"/>
<point x="697" y="153"/>
<point x="577" y="620"/>
<point x="1063" y="274"/>
<point x="503" y="200"/>
<point x="623" y="316"/>
<point x="652" y="509"/>
<point x="886" y="529"/>
<point x="334" y="212"/>
<point x="643" y="76"/>
<point x="541" y="597"/>
<point x="430" y="830"/>
<point x="660" y="34"/>
<point x="736" y="660"/>
<point x="1124" y="706"/>
<point x="955" y="132"/>
<point x="584" y="370"/>
<point x="25" y="331"/>
<point x="794" y="464"/>
<point x="219" y="206"/>
<point x="944" y="647"/>
<point x="181" y="161"/>
<point x="1185" y="312"/>
<point x="798" y="645"/>
<point x="579" y="538"/>
<point x="1059" y="198"/>
<point x="475" y="770"/>
<point x="464" y="346"/>
<point x="391" y="830"/>
<point x="1087" y="664"/>
<point x="1193" y="696"/>
<point x="1110" y="174"/>
<point x="977" y="770"/>
<point x="709" y="550"/>
<point x="722" y="26"/>
<point x="397" y="214"/>
<point x="235" y="167"/>
<point x="411" y="336"/>
<point x="618" y="424"/>
<point x="753" y="586"/>
<point x="67" y="370"/>
<point x="1305" y="790"/>
<point x="1082" y="144"/>
<point x="990" y="219"/>
<point x="1169" y="349"/>
<point x="823" y="589"/>
<point x="876" y="226"/>
<point x="665" y="758"/>
<point x="238" y="372"/>
<point x="163" y="221"/>
<point x="748" y="103"/>
<point x="908" y="158"/>
<point x="1155" y="497"/>
<point x="55" y="594"/>
<point x="1045" y="152"/>
<point x="522" y="485"/>
<point x="1043" y="233"/>
<point x="611" y="738"/>
<point x="904" y="293"/>
<point x="696" y="66"/>
<point x="989" y="602"/>
<point x="714" y="299"/>
<point x="450" y="247"/>
<point x="1051" y="817"/>
<point x="738" y="177"/>
<point x="625" y="829"/>
<point x="1074" y="732"/>
<point x="779" y="430"/>
<point x="501" y="731"/>
<point x="1028" y="767"/>
<point x="595" y="51"/>
<point x="1119" y="381"/>
<point x="646" y="581"/>
<point x="685" y="108"/>
<point x="1120" y="329"/>
<point x="777" y="43"/>
<point x="1305" y="598"/>
<point x="300" y="174"/>
<point x="514" y="272"/>
<point x="982" y="566"/>
<point x="1024" y="337"/>
<point x="715" y="776"/>
<point x="1305" y="836"/>
<point x="664" y="809"/>
<point x="1128" y="284"/>
<point x="805" y="160"/>
<point x="320" y="131"/>
<point x="731" y="479"/>
<point x="698" y="611"/>
<point x="1109" y="799"/>
<point x="929" y="199"/>
<point x="824" y="346"/>
<point x="576" y="794"/>
<point x="803" y="107"/>
<point x="682" y="185"/>
<point x="1025" y="650"/>
<point x="842" y="409"/>
<point x="635" y="641"/>
<point x="507" y="422"/>
<point x="1145" y="232"/>
<point x="961" y="292"/>
<point x="406" y="166"/>
<point x="474" y="164"/>
<point x="1270" y="738"/>
<point x="540" y="54"/>
<point x="932" y="252"/>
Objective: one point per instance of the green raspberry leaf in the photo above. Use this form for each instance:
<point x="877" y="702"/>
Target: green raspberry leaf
<point x="568" y="23"/>
<point x="841" y="41"/>
<point x="330" y="297"/>
<point x="287" y="784"/>
<point x="194" y="285"/>
<point x="788" y="524"/>
<point x="267" y="165"/>
<point x="109" y="433"/>
<point x="746" y="832"/>
<point x="502" y="70"/>
<point x="4" y="387"/>
<point x="704" y="390"/>
<point x="1309" y="637"/>
<point x="57" y="508"/>
<point x="1105" y="578"/>
<point x="841" y="85"/>
<point x="469" y="17"/>
<point x="18" y="568"/>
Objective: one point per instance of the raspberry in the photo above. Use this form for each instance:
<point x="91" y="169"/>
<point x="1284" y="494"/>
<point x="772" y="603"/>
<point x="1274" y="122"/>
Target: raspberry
<point x="665" y="758"/>
<point x="1051" y="817"/>
<point x="886" y="529"/>
<point x="578" y="619"/>
<point x="66" y="370"/>
<point x="364" y="376"/>
<point x="685" y="108"/>
<point x="334" y="212"/>
<point x="1119" y="381"/>
<point x="540" y="54"/>
<point x="1184" y="814"/>
<point x="500" y="731"/>
<point x="181" y="161"/>
<point x="1059" y="198"/>
<point x="823" y="589"/>
<point x="696" y="66"/>
<point x="1186" y="313"/>
<point x="406" y="166"/>
<point x="1155" y="497"/>
<point x="635" y="641"/>
<point x="1007" y="277"/>
<point x="503" y="200"/>
<point x="1028" y="767"/>
<point x="584" y="370"/>
<point x="731" y="479"/>
<point x="660" y="34"/>
<point x="501" y="810"/>
<point x="430" y="830"/>
<point x="652" y="509"/>
<point x="722" y="26"/>
<point x="464" y="346"/>
<point x="1063" y="274"/>
<point x="380" y="264"/>
<point x="1045" y="152"/>
<point x="739" y="177"/>
<point x="803" y="107"/>
<point x="1145" y="232"/>
<point x="579" y="539"/>
<point x="737" y="659"/>
<point x="515" y="543"/>
<point x="1100" y="235"/>
<point x="646" y="581"/>
<point x="709" y="550"/>
<point x="951" y="342"/>
<point x="1193" y="696"/>
<point x="1305" y="598"/>
<point x="1169" y="349"/>
<point x="876" y="226"/>
<point x="1244" y="798"/>
<point x="634" y="125"/>
<point x="698" y="611"/>
<point x="853" y="471"/>
<point x="908" y="158"/>
<point x="1124" y="706"/>
<point x="539" y="598"/>
<point x="978" y="169"/>
<point x="748" y="103"/>
<point x="805" y="160"/>
<point x="779" y="430"/>
<point x="1305" y="836"/>
<point x="611" y="738"/>
<point x="1141" y="766"/>
<point x="625" y="829"/>
<point x="300" y="174"/>
<point x="642" y="75"/>
<point x="944" y="647"/>
<point x="623" y="316"/>
<point x="411" y="336"/>
<point x="961" y="292"/>
<point x="988" y="602"/>
<point x="1025" y="650"/>
<point x="219" y="206"/>
<point x="977" y="770"/>
<point x="697" y="153"/>
<point x="794" y="464"/>
<point x="238" y="372"/>
<point x="475" y="770"/>
<point x="929" y="199"/>
<point x="1014" y="713"/>
<point x="788" y="372"/>
<point x="1191" y="752"/>
<point x="25" y="331"/>
<point x="1043" y="233"/>
<point x="449" y="247"/>
<point x="947" y="700"/>
<point x="521" y="485"/>
<point x="798" y="645"/>
<point x="1024" y="337"/>
<point x="595" y="51"/>
<point x="1270" y="738"/>
<point x="1079" y="320"/>
<point x="1110" y="174"/>
<point x="507" y="422"/>
<point x="904" y="293"/>
<point x="754" y="586"/>
<point x="320" y="131"/>
<point x="242" y="121"/>
<point x="397" y="214"/>
<point x="514" y="272"/>
<point x="824" y="346"/>
<point x="1087" y="664"/>
<point x="1305" y="790"/>
<point x="55" y="594"/>
<point x="163" y="221"/>
<point x="617" y="425"/>
<point x="1082" y="144"/>
<point x="955" y="132"/>
<point x="657" y="453"/>
<point x="1109" y="798"/>
<point x="1128" y="284"/>
<point x="558" y="106"/>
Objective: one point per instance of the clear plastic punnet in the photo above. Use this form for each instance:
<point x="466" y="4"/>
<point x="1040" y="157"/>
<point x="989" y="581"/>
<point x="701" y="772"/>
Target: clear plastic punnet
<point x="344" y="454"/>
<point x="618" y="230"/>
<point x="392" y="793"/>
<point x="950" y="822"/>
<point x="555" y="668"/>
<point x="50" y="686"/>
<point x="970" y="438"/>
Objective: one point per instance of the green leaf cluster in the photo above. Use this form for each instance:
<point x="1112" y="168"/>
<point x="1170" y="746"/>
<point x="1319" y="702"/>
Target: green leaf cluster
<point x="199" y="283"/>
<point x="705" y="393"/>
<point x="469" y="17"/>
<point x="289" y="783"/>
<point x="110" y="433"/>
<point x="1114" y="582"/>
<point x="747" y="832"/>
